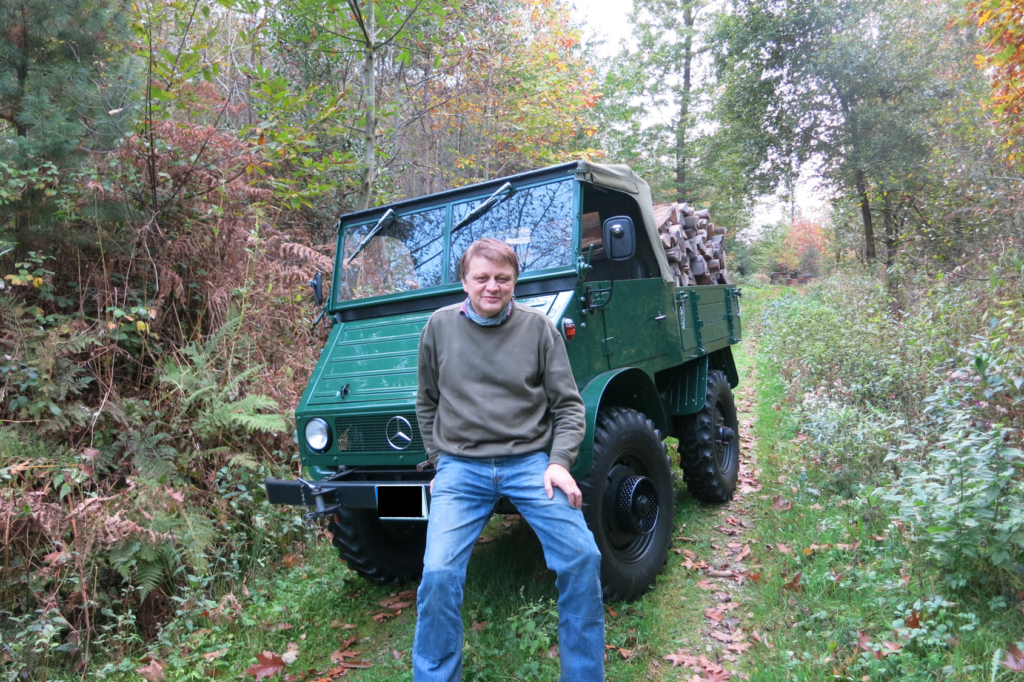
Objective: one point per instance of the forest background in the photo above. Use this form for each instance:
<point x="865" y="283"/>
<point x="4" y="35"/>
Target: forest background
<point x="171" y="172"/>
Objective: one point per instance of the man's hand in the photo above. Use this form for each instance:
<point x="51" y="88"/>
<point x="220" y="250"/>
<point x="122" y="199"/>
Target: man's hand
<point x="557" y="476"/>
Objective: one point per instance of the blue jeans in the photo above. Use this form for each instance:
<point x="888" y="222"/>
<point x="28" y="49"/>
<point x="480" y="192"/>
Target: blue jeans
<point x="465" y="492"/>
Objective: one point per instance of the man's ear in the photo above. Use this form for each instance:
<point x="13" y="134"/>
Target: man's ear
<point x="464" y="287"/>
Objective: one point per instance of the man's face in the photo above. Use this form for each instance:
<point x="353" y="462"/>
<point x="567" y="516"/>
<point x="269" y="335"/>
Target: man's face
<point x="489" y="285"/>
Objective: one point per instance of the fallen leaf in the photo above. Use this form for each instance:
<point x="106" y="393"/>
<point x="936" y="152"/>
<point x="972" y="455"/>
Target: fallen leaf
<point x="714" y="614"/>
<point x="346" y="643"/>
<point x="290" y="561"/>
<point x="739" y="647"/>
<point x="383" y="617"/>
<point x="782" y="548"/>
<point x="757" y="638"/>
<point x="1014" y="659"/>
<point x="399" y="605"/>
<point x="477" y="627"/>
<point x="705" y="585"/>
<point x="291" y="653"/>
<point x="396" y="654"/>
<point x="913" y="621"/>
<point x="344" y="626"/>
<point x="280" y="626"/>
<point x="214" y="655"/>
<point x="721" y="574"/>
<point x="679" y="658"/>
<point x="267" y="664"/>
<point x="779" y="503"/>
<point x="612" y="612"/>
<point x="721" y="636"/>
<point x="744" y="554"/>
<point x="754" y="577"/>
<point x="152" y="671"/>
<point x="722" y="676"/>
<point x="340" y="656"/>
<point x="794" y="584"/>
<point x="625" y="653"/>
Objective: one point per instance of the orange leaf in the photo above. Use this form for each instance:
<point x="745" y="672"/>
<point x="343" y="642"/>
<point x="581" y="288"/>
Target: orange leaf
<point x="781" y="504"/>
<point x="782" y="548"/>
<point x="267" y="664"/>
<point x="152" y="671"/>
<point x="794" y="584"/>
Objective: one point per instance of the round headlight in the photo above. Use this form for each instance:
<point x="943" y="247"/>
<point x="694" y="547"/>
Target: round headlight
<point x="318" y="435"/>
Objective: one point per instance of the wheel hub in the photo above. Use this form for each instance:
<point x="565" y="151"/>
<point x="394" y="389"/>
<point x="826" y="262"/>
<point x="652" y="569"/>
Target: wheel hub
<point x="637" y="504"/>
<point x="725" y="434"/>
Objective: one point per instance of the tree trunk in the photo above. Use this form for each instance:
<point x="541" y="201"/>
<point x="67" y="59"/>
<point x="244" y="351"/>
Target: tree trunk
<point x="865" y="212"/>
<point x="689" y="17"/>
<point x="370" y="98"/>
<point x="891" y="232"/>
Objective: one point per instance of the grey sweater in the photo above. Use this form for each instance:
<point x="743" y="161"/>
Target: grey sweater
<point x="493" y="391"/>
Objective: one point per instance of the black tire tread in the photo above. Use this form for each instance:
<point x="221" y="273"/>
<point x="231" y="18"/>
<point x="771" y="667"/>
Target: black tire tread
<point x="373" y="558"/>
<point x="696" y="445"/>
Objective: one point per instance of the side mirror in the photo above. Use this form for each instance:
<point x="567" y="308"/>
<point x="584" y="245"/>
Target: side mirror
<point x="619" y="238"/>
<point x="318" y="288"/>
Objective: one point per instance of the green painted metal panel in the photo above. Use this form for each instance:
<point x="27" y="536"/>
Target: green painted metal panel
<point x="687" y="392"/>
<point x="636" y="321"/>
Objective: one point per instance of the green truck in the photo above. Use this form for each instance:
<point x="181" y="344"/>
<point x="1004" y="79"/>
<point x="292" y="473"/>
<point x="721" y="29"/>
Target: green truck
<point x="651" y="360"/>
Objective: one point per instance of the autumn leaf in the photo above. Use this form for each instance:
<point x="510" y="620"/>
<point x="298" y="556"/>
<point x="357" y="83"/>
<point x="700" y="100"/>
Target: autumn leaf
<point x="739" y="647"/>
<point x="383" y="617"/>
<point x="214" y="655"/>
<point x="705" y="585"/>
<point x="744" y="553"/>
<point x="679" y="658"/>
<point x="346" y="643"/>
<point x="757" y="638"/>
<point x="477" y="627"/>
<point x="794" y="584"/>
<point x="782" y="547"/>
<point x="291" y="653"/>
<point x="714" y="614"/>
<point x="268" y="664"/>
<point x="341" y="655"/>
<point x="1014" y="659"/>
<point x="781" y="504"/>
<point x="152" y="671"/>
<point x="612" y="612"/>
<point x="721" y="636"/>
<point x="913" y="621"/>
<point x="344" y="626"/>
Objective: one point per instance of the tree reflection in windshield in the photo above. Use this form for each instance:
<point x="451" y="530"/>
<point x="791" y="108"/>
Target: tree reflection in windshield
<point x="402" y="257"/>
<point x="535" y="222"/>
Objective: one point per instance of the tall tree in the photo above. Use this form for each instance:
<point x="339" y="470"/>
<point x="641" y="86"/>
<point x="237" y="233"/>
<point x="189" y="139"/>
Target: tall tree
<point x="846" y="82"/>
<point x="63" y="90"/>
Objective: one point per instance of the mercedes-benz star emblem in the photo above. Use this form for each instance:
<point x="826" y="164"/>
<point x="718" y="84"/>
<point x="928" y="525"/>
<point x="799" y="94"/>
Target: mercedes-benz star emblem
<point x="399" y="433"/>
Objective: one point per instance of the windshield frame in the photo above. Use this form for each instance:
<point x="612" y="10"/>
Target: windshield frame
<point x="448" y="200"/>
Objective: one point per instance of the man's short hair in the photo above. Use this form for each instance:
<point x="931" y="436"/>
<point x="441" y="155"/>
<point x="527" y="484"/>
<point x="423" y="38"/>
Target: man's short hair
<point x="491" y="249"/>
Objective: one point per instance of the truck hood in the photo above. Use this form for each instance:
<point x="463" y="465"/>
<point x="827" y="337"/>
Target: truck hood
<point x="372" y="363"/>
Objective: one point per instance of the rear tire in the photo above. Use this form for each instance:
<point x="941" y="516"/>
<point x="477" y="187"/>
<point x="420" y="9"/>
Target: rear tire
<point x="709" y="447"/>
<point x="629" y="502"/>
<point x="381" y="551"/>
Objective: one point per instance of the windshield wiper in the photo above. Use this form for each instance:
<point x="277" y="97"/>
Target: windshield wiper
<point x="389" y="214"/>
<point x="489" y="203"/>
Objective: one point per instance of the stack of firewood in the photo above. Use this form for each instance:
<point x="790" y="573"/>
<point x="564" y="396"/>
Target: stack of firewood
<point x="692" y="243"/>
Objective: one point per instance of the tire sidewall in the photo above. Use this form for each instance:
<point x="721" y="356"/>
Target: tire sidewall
<point x="626" y="434"/>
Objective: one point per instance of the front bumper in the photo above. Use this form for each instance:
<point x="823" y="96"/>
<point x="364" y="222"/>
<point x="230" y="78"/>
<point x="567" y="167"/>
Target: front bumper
<point x="352" y="490"/>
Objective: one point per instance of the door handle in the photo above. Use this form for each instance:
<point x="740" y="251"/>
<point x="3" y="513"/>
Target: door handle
<point x="661" y="316"/>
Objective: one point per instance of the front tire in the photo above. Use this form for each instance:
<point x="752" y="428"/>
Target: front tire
<point x="709" y="447"/>
<point x="381" y="551"/>
<point x="629" y="502"/>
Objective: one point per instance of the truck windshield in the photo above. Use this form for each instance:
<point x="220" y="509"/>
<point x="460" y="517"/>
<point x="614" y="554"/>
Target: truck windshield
<point x="408" y="252"/>
<point x="405" y="255"/>
<point x="535" y="222"/>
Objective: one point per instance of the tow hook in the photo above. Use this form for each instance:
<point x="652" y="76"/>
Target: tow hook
<point x="322" y="509"/>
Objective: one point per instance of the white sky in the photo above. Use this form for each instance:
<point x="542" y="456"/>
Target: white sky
<point x="607" y="20"/>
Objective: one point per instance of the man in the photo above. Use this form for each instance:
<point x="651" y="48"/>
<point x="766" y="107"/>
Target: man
<point x="495" y="391"/>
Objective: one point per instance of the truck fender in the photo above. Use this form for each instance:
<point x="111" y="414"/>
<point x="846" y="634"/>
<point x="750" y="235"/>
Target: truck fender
<point x="624" y="387"/>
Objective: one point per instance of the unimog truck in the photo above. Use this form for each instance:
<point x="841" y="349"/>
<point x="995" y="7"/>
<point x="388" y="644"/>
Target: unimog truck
<point x="650" y="359"/>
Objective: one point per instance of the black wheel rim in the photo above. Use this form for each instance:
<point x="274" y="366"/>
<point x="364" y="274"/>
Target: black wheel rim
<point x="624" y="529"/>
<point x="726" y="439"/>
